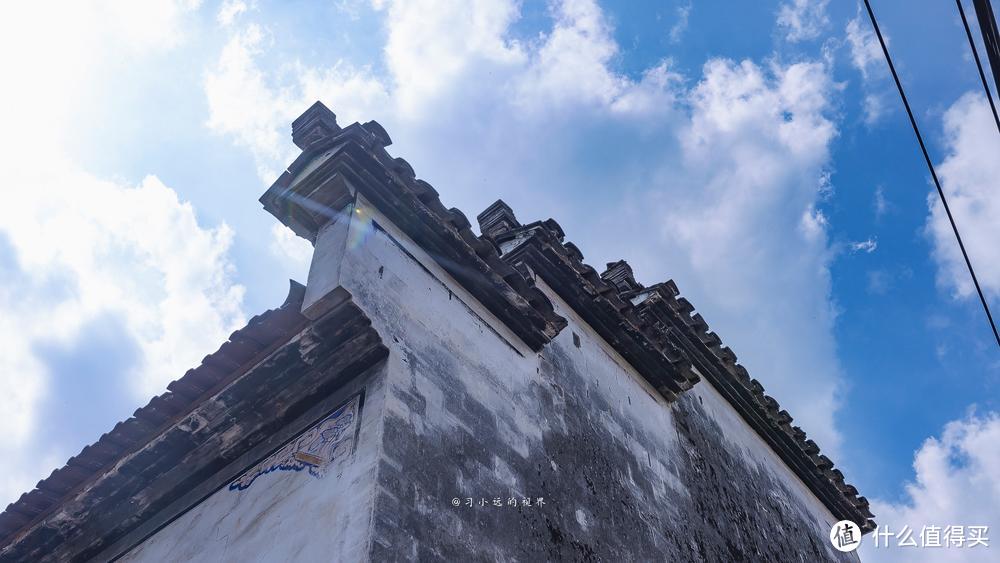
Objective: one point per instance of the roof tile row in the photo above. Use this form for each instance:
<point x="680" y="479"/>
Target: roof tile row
<point x="243" y="347"/>
<point x="685" y="338"/>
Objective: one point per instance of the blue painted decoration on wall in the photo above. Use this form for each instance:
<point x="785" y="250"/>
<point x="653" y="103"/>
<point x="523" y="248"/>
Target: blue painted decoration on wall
<point x="314" y="451"/>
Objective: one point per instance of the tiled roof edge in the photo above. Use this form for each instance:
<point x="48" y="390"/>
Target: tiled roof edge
<point x="664" y="307"/>
<point x="302" y="199"/>
<point x="685" y="337"/>
<point x="539" y="248"/>
<point x="243" y="349"/>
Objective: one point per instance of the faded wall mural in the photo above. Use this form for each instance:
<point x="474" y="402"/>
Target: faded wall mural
<point x="314" y="450"/>
<point x="274" y="509"/>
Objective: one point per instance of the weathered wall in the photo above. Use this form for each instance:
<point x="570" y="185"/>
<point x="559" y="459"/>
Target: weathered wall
<point x="471" y="412"/>
<point x="289" y="513"/>
<point x="462" y="409"/>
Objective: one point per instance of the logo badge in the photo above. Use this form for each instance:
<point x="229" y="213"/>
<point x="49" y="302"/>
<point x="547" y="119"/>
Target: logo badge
<point x="845" y="536"/>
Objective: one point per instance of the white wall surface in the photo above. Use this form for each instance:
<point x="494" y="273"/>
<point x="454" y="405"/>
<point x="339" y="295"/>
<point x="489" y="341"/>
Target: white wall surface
<point x="285" y="515"/>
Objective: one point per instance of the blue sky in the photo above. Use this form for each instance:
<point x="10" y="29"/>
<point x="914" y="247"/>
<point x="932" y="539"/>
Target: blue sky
<point x="755" y="152"/>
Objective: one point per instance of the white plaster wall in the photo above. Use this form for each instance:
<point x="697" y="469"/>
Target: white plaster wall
<point x="283" y="515"/>
<point x="414" y="306"/>
<point x="433" y="327"/>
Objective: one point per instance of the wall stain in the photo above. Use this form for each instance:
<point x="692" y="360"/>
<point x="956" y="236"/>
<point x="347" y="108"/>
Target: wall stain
<point x="731" y="511"/>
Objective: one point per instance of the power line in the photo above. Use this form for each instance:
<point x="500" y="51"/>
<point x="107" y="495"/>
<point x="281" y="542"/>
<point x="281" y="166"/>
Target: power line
<point x="930" y="166"/>
<point x="979" y="64"/>
<point x="991" y="37"/>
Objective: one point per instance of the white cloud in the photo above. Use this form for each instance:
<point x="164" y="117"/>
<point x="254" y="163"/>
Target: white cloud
<point x="970" y="177"/>
<point x="957" y="482"/>
<point x="572" y="67"/>
<point x="137" y="251"/>
<point x="86" y="248"/>
<point x="739" y="226"/>
<point x="867" y="58"/>
<point x="230" y="10"/>
<point x="78" y="248"/>
<point x="867" y="246"/>
<point x="681" y="25"/>
<point x="469" y="45"/>
<point x="91" y="37"/>
<point x="721" y="181"/>
<point x="874" y="107"/>
<point x="571" y="64"/>
<point x="257" y="109"/>
<point x="291" y="249"/>
<point x="155" y="24"/>
<point x="813" y="224"/>
<point x="866" y="53"/>
<point x="881" y="204"/>
<point x="431" y="43"/>
<point x="460" y="57"/>
<point x="803" y="19"/>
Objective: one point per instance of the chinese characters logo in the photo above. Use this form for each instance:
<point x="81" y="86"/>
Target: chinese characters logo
<point x="845" y="536"/>
<point x="951" y="536"/>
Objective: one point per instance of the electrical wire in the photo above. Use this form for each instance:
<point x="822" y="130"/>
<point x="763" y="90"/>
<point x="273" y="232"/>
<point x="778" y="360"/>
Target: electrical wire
<point x="991" y="36"/>
<point x="979" y="64"/>
<point x="930" y="166"/>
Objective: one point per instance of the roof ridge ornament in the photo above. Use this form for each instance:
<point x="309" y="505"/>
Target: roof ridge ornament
<point x="619" y="274"/>
<point x="497" y="219"/>
<point x="315" y="125"/>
